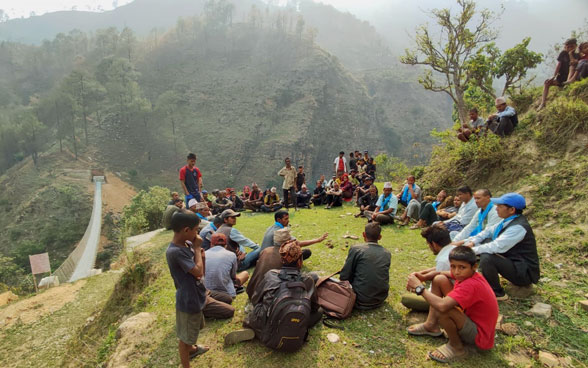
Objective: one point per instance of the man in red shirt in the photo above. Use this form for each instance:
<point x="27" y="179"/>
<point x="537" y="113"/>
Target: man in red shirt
<point x="468" y="313"/>
<point x="191" y="179"/>
<point x="340" y="164"/>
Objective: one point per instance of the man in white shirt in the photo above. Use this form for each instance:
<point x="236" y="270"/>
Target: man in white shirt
<point x="340" y="164"/>
<point x="484" y="217"/>
<point x="466" y="211"/>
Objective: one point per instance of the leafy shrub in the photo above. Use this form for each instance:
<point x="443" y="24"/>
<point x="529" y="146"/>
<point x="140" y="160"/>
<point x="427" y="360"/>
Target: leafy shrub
<point x="145" y="211"/>
<point x="560" y="121"/>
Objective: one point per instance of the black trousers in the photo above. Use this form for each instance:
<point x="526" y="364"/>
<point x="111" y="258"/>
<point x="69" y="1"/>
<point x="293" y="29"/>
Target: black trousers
<point x="428" y="214"/>
<point x="502" y="127"/>
<point x="493" y="265"/>
<point x="292" y="194"/>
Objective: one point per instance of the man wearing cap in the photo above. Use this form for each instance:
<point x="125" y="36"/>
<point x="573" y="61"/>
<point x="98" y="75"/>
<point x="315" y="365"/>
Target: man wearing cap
<point x="289" y="184"/>
<point x="205" y="198"/>
<point x="221" y="268"/>
<point x="340" y="164"/>
<point x="385" y="207"/>
<point x="485" y="216"/>
<point x="237" y="242"/>
<point x="271" y="202"/>
<point x="208" y="230"/>
<point x="504" y="121"/>
<point x="507" y="248"/>
<point x="263" y="294"/>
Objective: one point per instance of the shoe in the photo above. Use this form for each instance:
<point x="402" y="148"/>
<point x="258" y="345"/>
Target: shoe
<point x="502" y="298"/>
<point x="201" y="350"/>
<point x="239" y="290"/>
<point x="240" y="335"/>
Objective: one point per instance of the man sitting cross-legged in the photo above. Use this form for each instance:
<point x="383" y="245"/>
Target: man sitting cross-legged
<point x="255" y="199"/>
<point x="508" y="248"/>
<point x="319" y="196"/>
<point x="334" y="196"/>
<point x="368" y="202"/>
<point x="221" y="268"/>
<point x="437" y="238"/>
<point x="367" y="268"/>
<point x="303" y="197"/>
<point x="265" y="292"/>
<point x="467" y="311"/>
<point x="271" y="201"/>
<point x="385" y="207"/>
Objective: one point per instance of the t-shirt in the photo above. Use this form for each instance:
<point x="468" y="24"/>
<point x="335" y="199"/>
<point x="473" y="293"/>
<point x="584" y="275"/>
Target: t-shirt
<point x="564" y="69"/>
<point x="268" y="237"/>
<point x="341" y="163"/>
<point x="191" y="178"/>
<point x="442" y="259"/>
<point x="190" y="292"/>
<point x="479" y="123"/>
<point x="392" y="203"/>
<point x="289" y="175"/>
<point x="475" y="296"/>
<point x="300" y="179"/>
<point x="221" y="269"/>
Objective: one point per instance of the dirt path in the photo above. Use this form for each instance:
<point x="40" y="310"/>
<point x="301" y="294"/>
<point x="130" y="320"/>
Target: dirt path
<point x="31" y="309"/>
<point x="116" y="193"/>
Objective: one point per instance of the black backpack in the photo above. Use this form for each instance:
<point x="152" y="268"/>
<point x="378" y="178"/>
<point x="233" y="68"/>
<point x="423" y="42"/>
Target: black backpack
<point x="286" y="322"/>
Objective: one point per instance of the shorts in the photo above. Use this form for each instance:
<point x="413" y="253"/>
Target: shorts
<point x="188" y="325"/>
<point x="468" y="332"/>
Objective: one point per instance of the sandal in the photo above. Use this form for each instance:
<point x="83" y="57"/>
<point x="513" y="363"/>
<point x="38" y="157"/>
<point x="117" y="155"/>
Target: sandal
<point x="420" y="330"/>
<point x="449" y="354"/>
<point x="201" y="350"/>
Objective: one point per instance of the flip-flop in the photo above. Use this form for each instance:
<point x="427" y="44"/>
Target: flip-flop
<point x="448" y="353"/>
<point x="239" y="335"/>
<point x="201" y="350"/>
<point x="420" y="330"/>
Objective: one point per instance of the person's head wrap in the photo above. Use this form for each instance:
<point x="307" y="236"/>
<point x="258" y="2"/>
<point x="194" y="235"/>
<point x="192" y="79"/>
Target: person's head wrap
<point x="290" y="253"/>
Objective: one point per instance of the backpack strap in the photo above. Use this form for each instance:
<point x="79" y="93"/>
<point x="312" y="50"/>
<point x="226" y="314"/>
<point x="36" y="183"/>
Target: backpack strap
<point x="325" y="278"/>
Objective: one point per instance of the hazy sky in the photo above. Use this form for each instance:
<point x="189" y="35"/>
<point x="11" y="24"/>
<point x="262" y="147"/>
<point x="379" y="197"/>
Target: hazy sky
<point x="23" y="8"/>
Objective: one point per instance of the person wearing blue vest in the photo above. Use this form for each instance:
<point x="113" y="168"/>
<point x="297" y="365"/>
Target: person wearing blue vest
<point x="386" y="207"/>
<point x="484" y="217"/>
<point x="507" y="248"/>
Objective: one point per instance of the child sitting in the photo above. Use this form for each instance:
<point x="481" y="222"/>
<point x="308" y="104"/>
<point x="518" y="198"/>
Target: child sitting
<point x="580" y="70"/>
<point x="185" y="259"/>
<point x="468" y="313"/>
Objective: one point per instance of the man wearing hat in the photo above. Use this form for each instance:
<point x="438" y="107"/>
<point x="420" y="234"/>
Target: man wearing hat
<point x="509" y="247"/>
<point x="236" y="242"/>
<point x="221" y="268"/>
<point x="504" y="121"/>
<point x="290" y="256"/>
<point x="385" y="207"/>
<point x="271" y="202"/>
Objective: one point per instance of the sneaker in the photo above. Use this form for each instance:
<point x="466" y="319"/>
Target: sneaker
<point x="240" y="335"/>
<point x="239" y="289"/>
<point x="502" y="298"/>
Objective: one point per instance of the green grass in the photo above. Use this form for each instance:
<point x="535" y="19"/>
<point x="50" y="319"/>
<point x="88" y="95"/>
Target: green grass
<point x="374" y="338"/>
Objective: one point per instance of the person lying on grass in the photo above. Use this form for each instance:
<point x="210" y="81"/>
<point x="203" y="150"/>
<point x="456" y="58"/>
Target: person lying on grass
<point x="467" y="311"/>
<point x="185" y="259"/>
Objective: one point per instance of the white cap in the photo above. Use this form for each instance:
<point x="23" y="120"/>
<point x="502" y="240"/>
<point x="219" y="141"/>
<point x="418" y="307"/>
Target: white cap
<point x="500" y="100"/>
<point x="273" y="190"/>
<point x="192" y="202"/>
<point x="387" y="185"/>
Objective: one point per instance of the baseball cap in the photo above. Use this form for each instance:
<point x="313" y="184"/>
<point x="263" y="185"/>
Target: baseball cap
<point x="218" y="239"/>
<point x="511" y="199"/>
<point x="192" y="202"/>
<point x="229" y="213"/>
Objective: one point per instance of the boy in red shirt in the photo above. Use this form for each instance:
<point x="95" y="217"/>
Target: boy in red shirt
<point x="468" y="313"/>
<point x="191" y="179"/>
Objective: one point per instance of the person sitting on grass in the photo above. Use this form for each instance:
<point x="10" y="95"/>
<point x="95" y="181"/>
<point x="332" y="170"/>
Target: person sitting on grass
<point x="221" y="268"/>
<point x="428" y="212"/>
<point x="475" y="126"/>
<point x="410" y="197"/>
<point x="174" y="196"/>
<point x="562" y="70"/>
<point x="368" y="201"/>
<point x="448" y="209"/>
<point x="265" y="291"/>
<point x="581" y="70"/>
<point x="466" y="211"/>
<point x="255" y="199"/>
<point x="485" y="216"/>
<point x="438" y="240"/>
<point x="203" y="212"/>
<point x="221" y="202"/>
<point x="205" y="198"/>
<point x="236" y="242"/>
<point x="361" y="169"/>
<point x="385" y="207"/>
<point x="271" y="201"/>
<point x="185" y="259"/>
<point x="238" y="205"/>
<point x="303" y="197"/>
<point x="319" y="196"/>
<point x="208" y="230"/>
<point x="503" y="122"/>
<point x="367" y="268"/>
<point x="246" y="193"/>
<point x="363" y="188"/>
<point x="508" y="248"/>
<point x="169" y="212"/>
<point x="346" y="187"/>
<point x="334" y="196"/>
<point x="467" y="312"/>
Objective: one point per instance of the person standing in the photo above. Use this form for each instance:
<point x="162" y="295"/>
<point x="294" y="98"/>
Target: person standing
<point x="289" y="185"/>
<point x="191" y="179"/>
<point x="340" y="164"/>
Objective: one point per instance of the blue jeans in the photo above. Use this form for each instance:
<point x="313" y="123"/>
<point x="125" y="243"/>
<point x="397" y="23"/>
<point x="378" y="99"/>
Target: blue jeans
<point x="249" y="261"/>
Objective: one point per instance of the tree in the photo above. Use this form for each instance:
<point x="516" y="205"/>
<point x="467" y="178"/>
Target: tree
<point x="461" y="36"/>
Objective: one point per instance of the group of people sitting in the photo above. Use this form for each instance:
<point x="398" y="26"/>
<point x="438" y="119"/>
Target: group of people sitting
<point x="502" y="122"/>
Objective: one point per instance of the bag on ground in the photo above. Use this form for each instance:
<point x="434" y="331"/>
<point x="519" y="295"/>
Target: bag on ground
<point x="337" y="298"/>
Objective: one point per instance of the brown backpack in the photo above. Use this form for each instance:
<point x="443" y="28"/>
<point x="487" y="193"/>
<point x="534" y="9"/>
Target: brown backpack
<point x="337" y="298"/>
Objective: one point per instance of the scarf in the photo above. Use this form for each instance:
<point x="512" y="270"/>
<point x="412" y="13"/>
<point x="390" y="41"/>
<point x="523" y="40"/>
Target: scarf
<point x="406" y="196"/>
<point x="435" y="204"/>
<point x="214" y="227"/>
<point x="481" y="217"/>
<point x="501" y="225"/>
<point x="385" y="202"/>
<point x="199" y="215"/>
<point x="279" y="225"/>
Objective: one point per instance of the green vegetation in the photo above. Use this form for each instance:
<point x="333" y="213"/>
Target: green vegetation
<point x="145" y="211"/>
